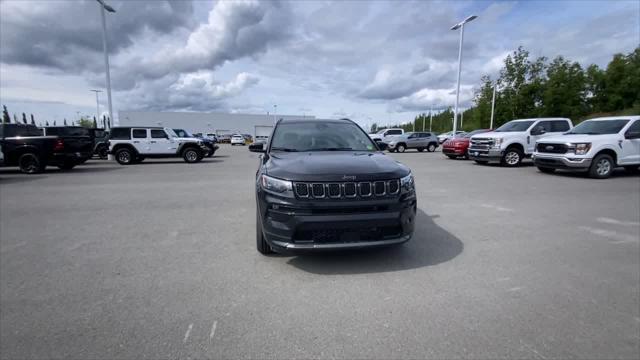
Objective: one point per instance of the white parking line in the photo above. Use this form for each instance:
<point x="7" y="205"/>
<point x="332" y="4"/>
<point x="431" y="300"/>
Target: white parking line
<point x="617" y="237"/>
<point x="213" y="331"/>
<point x="617" y="222"/>
<point x="186" y="335"/>
<point x="495" y="207"/>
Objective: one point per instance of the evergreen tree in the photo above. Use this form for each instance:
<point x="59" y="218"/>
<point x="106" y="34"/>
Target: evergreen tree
<point x="24" y="118"/>
<point x="5" y="115"/>
<point x="33" y="121"/>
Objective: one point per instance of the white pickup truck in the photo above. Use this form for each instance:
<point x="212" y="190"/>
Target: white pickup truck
<point x="596" y="146"/>
<point x="515" y="140"/>
<point x="385" y="133"/>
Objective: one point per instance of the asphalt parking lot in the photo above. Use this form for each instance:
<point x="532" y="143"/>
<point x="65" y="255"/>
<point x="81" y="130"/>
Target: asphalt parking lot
<point x="158" y="260"/>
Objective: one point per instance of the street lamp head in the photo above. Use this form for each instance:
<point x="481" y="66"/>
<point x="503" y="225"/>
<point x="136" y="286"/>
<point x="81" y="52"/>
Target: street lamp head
<point x="105" y="6"/>
<point x="459" y="25"/>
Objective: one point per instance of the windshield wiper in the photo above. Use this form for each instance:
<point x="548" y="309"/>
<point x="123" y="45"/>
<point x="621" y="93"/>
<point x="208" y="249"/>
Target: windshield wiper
<point x="331" y="149"/>
<point x="584" y="133"/>
<point x="284" y="149"/>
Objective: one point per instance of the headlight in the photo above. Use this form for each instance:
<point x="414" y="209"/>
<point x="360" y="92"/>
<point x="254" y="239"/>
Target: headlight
<point x="276" y="186"/>
<point x="497" y="142"/>
<point x="407" y="184"/>
<point x="581" y="148"/>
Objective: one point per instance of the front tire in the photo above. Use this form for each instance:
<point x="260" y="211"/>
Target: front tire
<point x="401" y="148"/>
<point x="191" y="155"/>
<point x="30" y="163"/>
<point x="546" y="170"/>
<point x="431" y="148"/>
<point x="512" y="157"/>
<point x="601" y="167"/>
<point x="124" y="157"/>
<point x="261" y="244"/>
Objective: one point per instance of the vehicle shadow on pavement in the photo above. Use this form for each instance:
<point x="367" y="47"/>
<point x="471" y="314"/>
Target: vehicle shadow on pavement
<point x="430" y="245"/>
<point x="617" y="173"/>
<point x="18" y="179"/>
<point x="161" y="161"/>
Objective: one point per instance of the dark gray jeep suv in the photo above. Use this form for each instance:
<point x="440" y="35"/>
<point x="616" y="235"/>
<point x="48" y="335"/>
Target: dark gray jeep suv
<point x="323" y="184"/>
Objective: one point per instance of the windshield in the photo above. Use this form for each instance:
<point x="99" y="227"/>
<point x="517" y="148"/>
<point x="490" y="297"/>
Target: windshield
<point x="320" y="136"/>
<point x="381" y="131"/>
<point x="171" y="132"/>
<point x="514" y="126"/>
<point x="183" y="133"/>
<point x="599" y="127"/>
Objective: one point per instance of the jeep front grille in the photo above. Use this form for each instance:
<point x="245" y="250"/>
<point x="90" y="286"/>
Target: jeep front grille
<point x="340" y="190"/>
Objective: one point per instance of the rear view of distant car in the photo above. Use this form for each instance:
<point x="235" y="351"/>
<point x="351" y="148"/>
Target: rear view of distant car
<point x="237" y="139"/>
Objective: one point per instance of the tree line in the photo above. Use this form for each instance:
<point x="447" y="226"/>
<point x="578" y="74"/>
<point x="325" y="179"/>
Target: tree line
<point x="84" y="121"/>
<point x="536" y="87"/>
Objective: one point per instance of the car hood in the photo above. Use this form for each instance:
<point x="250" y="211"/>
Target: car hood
<point x="453" y="141"/>
<point x="498" y="135"/>
<point x="334" y="166"/>
<point x="575" y="138"/>
<point x="185" y="139"/>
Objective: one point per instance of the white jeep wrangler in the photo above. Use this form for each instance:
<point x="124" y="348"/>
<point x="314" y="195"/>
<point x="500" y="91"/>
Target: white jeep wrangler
<point x="131" y="145"/>
<point x="515" y="140"/>
<point x="596" y="146"/>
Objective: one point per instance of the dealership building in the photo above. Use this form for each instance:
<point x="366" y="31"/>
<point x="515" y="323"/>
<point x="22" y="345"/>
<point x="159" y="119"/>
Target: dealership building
<point x="201" y="122"/>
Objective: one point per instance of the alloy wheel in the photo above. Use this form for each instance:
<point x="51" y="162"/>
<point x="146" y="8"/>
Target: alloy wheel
<point x="603" y="167"/>
<point x="191" y="156"/>
<point x="124" y="157"/>
<point x="512" y="158"/>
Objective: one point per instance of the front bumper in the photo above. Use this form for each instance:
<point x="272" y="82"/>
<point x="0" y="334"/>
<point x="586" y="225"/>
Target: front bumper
<point x="293" y="226"/>
<point x="561" y="162"/>
<point x="453" y="151"/>
<point x="490" y="155"/>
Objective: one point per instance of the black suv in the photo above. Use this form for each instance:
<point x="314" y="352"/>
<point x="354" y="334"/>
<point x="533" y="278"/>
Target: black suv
<point x="323" y="184"/>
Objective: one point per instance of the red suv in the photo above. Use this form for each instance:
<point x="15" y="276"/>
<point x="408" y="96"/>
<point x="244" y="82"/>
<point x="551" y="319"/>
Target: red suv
<point x="458" y="145"/>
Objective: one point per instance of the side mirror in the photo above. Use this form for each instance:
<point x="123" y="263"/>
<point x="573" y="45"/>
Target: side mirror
<point x="632" y="135"/>
<point x="538" y="130"/>
<point x="257" y="147"/>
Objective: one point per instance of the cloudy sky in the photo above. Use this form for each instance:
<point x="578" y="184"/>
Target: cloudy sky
<point x="366" y="60"/>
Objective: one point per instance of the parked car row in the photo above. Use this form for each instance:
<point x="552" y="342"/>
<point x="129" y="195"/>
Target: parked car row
<point x="32" y="149"/>
<point x="596" y="146"/>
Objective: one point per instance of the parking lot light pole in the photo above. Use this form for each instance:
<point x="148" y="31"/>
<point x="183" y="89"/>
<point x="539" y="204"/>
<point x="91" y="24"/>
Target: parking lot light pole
<point x="97" y="103"/>
<point x="460" y="26"/>
<point x="105" y="48"/>
<point x="493" y="102"/>
<point x="430" y="117"/>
